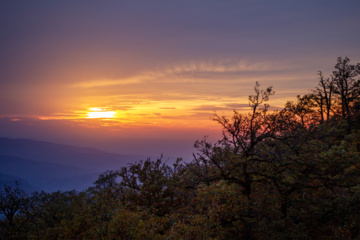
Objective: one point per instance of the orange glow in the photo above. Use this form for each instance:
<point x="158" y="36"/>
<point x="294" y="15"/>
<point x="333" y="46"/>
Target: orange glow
<point x="100" y="113"/>
<point x="129" y="111"/>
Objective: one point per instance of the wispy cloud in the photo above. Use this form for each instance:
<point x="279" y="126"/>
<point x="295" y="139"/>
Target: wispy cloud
<point x="107" y="82"/>
<point x="226" y="107"/>
<point x="221" y="66"/>
<point x="183" y="72"/>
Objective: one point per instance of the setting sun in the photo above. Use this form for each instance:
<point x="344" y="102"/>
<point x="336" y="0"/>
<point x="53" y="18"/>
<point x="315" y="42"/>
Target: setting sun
<point x="100" y="113"/>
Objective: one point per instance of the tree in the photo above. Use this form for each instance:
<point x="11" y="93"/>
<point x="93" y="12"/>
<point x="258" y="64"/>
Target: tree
<point x="302" y="108"/>
<point x="347" y="86"/>
<point x="151" y="185"/>
<point x="322" y="95"/>
<point x="245" y="131"/>
<point x="280" y="175"/>
<point x="235" y="157"/>
<point x="13" y="201"/>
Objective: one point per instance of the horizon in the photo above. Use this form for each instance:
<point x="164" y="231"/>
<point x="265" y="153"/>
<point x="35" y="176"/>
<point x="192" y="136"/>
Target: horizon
<point x="145" y="77"/>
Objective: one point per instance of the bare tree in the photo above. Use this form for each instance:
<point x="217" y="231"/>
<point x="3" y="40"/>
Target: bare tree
<point x="347" y="87"/>
<point x="323" y="94"/>
<point x="244" y="131"/>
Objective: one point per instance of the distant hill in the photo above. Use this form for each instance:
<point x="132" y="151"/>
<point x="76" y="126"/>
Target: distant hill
<point x="86" y="158"/>
<point x="50" y="167"/>
<point x="9" y="180"/>
<point x="42" y="175"/>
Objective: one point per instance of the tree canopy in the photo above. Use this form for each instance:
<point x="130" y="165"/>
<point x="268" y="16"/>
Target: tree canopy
<point x="289" y="174"/>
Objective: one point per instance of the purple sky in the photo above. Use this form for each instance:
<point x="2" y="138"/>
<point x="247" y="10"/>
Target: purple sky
<point x="162" y="66"/>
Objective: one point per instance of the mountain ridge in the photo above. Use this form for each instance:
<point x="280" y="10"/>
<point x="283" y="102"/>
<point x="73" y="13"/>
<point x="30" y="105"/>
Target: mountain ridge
<point x="51" y="166"/>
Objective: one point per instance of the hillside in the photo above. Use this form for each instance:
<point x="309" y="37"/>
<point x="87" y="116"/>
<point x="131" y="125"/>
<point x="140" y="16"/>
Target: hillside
<point x="9" y="180"/>
<point x="51" y="167"/>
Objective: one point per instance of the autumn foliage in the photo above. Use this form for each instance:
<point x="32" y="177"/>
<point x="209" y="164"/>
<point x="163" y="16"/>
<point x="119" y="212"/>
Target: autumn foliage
<point x="289" y="174"/>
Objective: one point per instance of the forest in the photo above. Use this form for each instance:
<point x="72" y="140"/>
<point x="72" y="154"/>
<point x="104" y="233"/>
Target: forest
<point x="275" y="174"/>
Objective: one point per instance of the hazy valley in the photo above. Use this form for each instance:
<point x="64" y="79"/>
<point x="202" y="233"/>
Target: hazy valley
<point x="39" y="165"/>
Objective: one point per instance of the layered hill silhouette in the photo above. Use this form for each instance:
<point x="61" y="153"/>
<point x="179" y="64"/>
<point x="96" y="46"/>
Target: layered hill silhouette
<point x="50" y="167"/>
<point x="9" y="180"/>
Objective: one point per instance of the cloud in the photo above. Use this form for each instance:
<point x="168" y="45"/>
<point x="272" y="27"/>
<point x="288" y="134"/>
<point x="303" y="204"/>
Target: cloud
<point x="221" y="66"/>
<point x="226" y="107"/>
<point x="185" y="72"/>
<point x="106" y="82"/>
<point x="167" y="108"/>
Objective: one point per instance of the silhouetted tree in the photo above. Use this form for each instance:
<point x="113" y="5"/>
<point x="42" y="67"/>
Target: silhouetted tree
<point x="13" y="201"/>
<point x="151" y="185"/>
<point x="289" y="174"/>
<point x="323" y="96"/>
<point x="302" y="108"/>
<point x="347" y="87"/>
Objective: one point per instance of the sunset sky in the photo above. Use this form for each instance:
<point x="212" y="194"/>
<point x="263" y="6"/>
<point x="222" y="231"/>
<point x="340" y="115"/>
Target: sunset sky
<point x="144" y="77"/>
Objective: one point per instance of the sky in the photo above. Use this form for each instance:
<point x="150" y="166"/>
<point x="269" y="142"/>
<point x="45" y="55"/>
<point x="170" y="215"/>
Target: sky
<point x="145" y="77"/>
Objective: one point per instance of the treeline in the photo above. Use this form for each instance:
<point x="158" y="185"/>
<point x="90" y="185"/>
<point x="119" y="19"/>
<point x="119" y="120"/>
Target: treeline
<point x="289" y="174"/>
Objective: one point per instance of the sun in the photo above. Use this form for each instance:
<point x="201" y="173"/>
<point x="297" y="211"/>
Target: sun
<point x="100" y="113"/>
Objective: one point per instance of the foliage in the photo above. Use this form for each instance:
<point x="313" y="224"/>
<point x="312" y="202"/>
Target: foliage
<point x="289" y="174"/>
